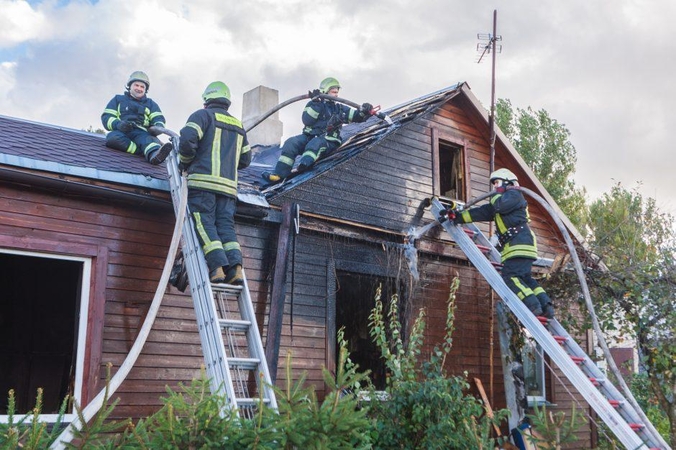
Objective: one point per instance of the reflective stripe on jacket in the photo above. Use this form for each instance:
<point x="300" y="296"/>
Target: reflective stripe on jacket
<point x="144" y="112"/>
<point x="510" y="212"/>
<point x="317" y="114"/>
<point x="214" y="145"/>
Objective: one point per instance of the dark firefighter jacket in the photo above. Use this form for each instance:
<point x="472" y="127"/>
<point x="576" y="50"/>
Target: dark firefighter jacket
<point x="510" y="212"/>
<point x="144" y="112"/>
<point x="214" y="146"/>
<point x="324" y="116"/>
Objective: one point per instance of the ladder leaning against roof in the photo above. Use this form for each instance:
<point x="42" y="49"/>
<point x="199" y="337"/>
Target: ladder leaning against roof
<point x="622" y="419"/>
<point x="231" y="343"/>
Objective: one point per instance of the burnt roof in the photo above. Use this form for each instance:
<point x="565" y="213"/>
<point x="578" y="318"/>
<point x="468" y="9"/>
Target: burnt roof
<point x="357" y="137"/>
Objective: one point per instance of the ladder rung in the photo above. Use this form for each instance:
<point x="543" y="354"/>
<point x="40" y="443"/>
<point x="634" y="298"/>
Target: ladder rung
<point x="244" y="363"/>
<point x="251" y="401"/>
<point x="237" y="325"/>
<point x="469" y="232"/>
<point x="483" y="248"/>
<point x="228" y="288"/>
<point x="560" y="339"/>
<point x="577" y="359"/>
<point x="614" y="403"/>
<point x="636" y="426"/>
<point x="543" y="320"/>
<point x="596" y="381"/>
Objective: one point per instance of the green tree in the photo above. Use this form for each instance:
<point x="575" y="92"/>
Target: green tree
<point x="636" y="294"/>
<point x="545" y="145"/>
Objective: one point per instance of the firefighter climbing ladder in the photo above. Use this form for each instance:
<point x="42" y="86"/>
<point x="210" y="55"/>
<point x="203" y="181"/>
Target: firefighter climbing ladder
<point x="231" y="343"/>
<point x="602" y="396"/>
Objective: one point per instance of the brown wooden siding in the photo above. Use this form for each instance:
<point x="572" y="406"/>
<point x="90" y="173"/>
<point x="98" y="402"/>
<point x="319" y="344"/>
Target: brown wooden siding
<point x="135" y="241"/>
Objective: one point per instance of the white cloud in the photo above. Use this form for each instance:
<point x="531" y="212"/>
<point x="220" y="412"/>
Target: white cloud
<point x="19" y="22"/>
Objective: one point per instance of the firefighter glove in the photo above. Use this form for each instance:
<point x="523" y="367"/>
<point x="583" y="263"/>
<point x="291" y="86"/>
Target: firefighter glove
<point x="367" y="109"/>
<point x="314" y="93"/>
<point x="125" y="126"/>
<point x="448" y="214"/>
<point x="182" y="167"/>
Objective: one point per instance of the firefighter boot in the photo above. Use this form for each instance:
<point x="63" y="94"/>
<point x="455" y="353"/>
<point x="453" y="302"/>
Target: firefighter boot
<point x="161" y="154"/>
<point x="234" y="275"/>
<point x="546" y="305"/>
<point x="217" y="275"/>
<point x="533" y="304"/>
<point x="271" y="177"/>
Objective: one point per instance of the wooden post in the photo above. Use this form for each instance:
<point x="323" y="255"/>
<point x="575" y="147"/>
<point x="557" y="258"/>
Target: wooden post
<point x="278" y="296"/>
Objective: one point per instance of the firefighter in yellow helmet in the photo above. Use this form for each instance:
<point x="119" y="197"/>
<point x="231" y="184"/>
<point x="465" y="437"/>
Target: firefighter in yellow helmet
<point x="322" y="119"/>
<point x="213" y="147"/>
<point x="128" y="117"/>
<point x="517" y="243"/>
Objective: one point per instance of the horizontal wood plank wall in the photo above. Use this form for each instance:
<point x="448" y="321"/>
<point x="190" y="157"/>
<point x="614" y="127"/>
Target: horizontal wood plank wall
<point x="137" y="240"/>
<point x="384" y="186"/>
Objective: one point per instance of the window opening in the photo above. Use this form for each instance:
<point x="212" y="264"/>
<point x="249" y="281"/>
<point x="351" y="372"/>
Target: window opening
<point x="355" y="299"/>
<point x="43" y="318"/>
<point x="451" y="171"/>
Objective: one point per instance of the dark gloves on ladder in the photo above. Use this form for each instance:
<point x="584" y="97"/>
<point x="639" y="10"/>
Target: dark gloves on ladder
<point x="451" y="213"/>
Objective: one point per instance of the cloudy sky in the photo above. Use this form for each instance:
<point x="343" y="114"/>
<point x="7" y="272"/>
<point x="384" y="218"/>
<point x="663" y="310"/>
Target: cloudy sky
<point x="603" y="68"/>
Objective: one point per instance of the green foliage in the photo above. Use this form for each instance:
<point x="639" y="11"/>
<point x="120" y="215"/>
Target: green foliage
<point x="635" y="296"/>
<point x="545" y="146"/>
<point x="27" y="432"/>
<point x="336" y="423"/>
<point x="193" y="418"/>
<point x="554" y="429"/>
<point x="423" y="408"/>
<point x="642" y="390"/>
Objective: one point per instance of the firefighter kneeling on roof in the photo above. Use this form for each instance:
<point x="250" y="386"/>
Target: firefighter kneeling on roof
<point x="517" y="243"/>
<point x="213" y="146"/>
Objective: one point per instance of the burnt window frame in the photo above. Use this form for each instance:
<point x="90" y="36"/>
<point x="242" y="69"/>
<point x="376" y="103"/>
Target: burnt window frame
<point x="439" y="140"/>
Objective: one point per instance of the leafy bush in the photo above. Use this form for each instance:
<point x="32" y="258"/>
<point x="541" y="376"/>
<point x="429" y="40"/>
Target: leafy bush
<point x="424" y="408"/>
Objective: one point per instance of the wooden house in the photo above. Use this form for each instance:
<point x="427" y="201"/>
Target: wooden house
<point x="84" y="232"/>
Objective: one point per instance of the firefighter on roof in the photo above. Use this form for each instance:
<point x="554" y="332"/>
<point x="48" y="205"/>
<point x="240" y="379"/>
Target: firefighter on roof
<point x="322" y="120"/>
<point x="128" y="117"/>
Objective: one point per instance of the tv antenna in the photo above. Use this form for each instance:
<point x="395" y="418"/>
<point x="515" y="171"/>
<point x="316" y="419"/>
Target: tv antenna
<point x="489" y="46"/>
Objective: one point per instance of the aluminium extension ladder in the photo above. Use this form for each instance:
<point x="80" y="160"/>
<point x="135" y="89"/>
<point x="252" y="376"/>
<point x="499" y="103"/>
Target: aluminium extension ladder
<point x="618" y="414"/>
<point x="231" y="343"/>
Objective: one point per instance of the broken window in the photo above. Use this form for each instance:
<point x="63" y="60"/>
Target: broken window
<point x="355" y="299"/>
<point x="449" y="167"/>
<point x="43" y="318"/>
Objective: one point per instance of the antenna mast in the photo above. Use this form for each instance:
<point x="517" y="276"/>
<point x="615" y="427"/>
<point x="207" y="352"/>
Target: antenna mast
<point x="490" y="46"/>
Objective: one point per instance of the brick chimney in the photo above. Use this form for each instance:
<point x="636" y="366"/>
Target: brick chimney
<point x="258" y="101"/>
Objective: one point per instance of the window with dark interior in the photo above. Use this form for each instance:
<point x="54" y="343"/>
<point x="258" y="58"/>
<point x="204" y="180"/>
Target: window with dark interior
<point x="42" y="327"/>
<point x="355" y="299"/>
<point x="451" y="171"/>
